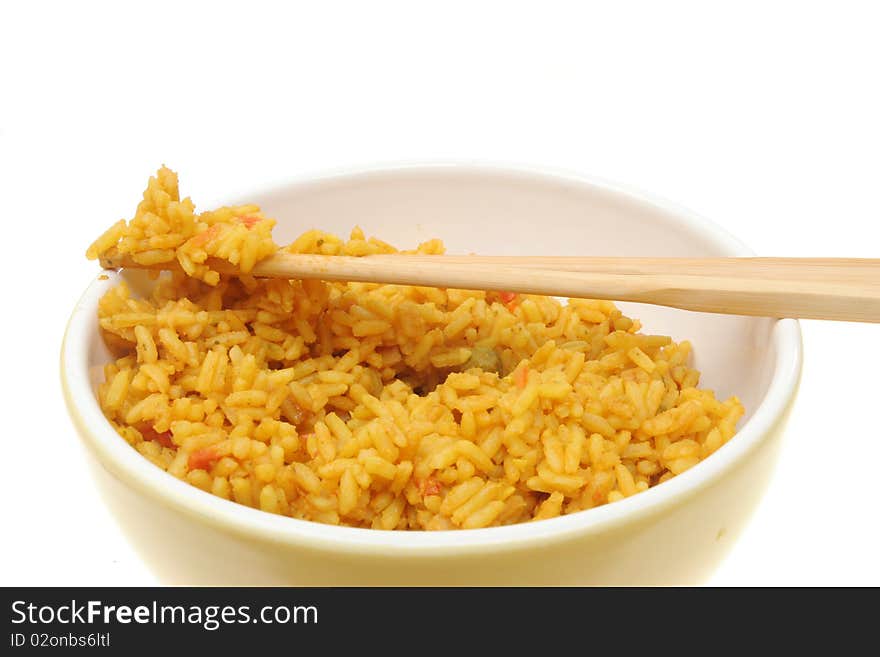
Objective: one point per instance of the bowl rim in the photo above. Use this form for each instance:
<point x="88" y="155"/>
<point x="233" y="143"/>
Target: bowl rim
<point x="133" y="470"/>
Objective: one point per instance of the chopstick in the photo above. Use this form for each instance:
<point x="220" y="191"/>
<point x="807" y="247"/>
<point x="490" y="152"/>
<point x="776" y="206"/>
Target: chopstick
<point x="846" y="289"/>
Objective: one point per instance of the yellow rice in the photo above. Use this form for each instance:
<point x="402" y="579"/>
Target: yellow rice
<point x="384" y="406"/>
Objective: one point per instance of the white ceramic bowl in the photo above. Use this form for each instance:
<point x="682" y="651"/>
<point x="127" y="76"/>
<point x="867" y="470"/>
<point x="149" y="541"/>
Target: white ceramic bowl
<point x="675" y="533"/>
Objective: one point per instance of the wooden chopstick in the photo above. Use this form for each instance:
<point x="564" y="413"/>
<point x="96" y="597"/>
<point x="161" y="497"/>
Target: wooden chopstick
<point x="754" y="267"/>
<point x="845" y="289"/>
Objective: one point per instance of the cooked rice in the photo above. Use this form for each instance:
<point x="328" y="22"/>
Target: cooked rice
<point x="385" y="406"/>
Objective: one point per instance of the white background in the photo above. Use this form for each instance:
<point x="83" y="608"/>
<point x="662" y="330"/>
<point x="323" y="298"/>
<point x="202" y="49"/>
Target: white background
<point x="764" y="117"/>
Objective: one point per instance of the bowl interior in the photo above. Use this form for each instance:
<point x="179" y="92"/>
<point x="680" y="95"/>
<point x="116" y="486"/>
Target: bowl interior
<point x="513" y="213"/>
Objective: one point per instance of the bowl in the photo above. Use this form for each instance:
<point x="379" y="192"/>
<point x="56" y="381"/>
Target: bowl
<point x="674" y="533"/>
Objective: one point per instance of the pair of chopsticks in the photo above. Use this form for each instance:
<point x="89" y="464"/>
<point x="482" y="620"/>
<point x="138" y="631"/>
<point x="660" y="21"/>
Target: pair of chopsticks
<point x="846" y="289"/>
